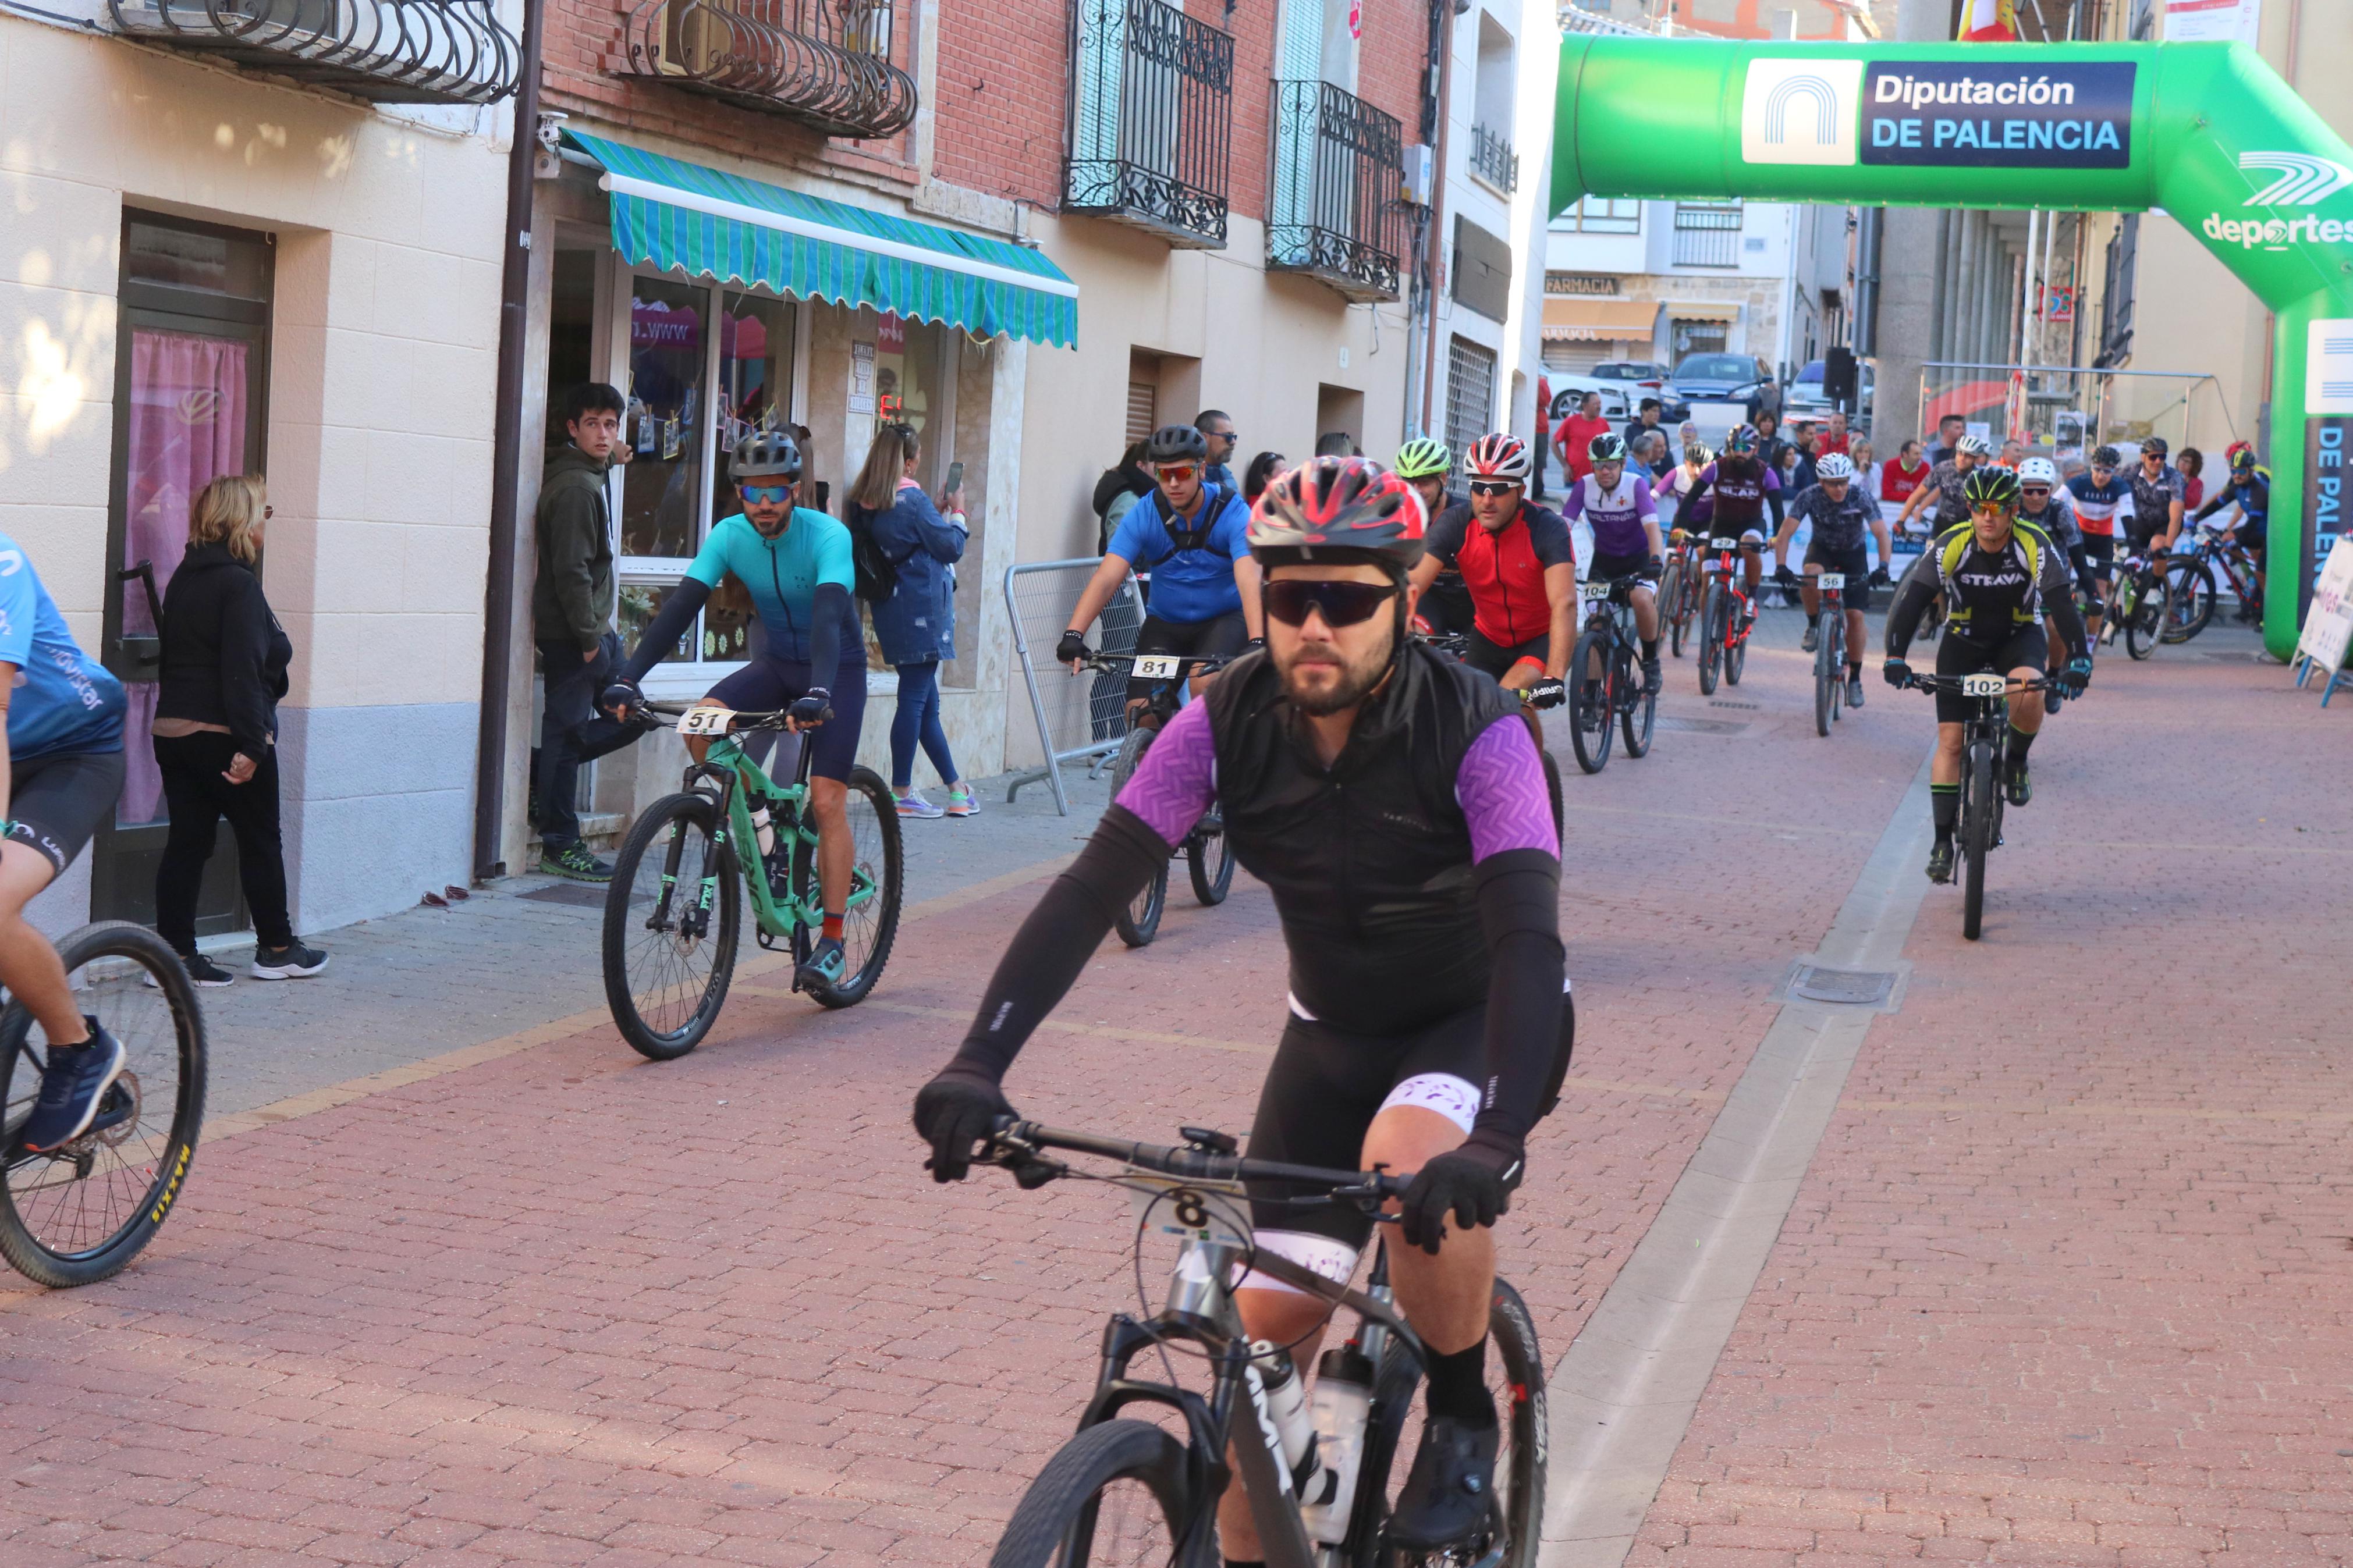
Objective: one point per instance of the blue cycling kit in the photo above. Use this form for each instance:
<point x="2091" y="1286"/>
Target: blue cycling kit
<point x="2097" y="504"/>
<point x="782" y="573"/>
<point x="1192" y="567"/>
<point x="65" y="700"/>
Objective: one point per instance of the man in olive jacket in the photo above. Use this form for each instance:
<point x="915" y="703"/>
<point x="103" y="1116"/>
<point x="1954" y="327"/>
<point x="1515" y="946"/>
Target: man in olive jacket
<point x="572" y="620"/>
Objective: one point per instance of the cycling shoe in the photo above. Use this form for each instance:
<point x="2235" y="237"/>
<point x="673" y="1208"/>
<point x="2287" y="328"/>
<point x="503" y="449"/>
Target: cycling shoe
<point x="1449" y="1496"/>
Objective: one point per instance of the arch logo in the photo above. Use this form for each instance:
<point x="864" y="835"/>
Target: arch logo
<point x="1801" y="111"/>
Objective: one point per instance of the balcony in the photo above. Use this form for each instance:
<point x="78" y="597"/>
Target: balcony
<point x="1150" y="120"/>
<point x="1492" y="160"/>
<point x="1707" y="236"/>
<point x="824" y="62"/>
<point x="388" y="51"/>
<point x="1338" y="166"/>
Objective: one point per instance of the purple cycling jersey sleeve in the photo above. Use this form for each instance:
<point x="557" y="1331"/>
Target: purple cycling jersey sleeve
<point x="1500" y="787"/>
<point x="1178" y="776"/>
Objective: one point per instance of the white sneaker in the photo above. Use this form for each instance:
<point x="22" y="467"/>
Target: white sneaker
<point x="962" y="803"/>
<point x="914" y="805"/>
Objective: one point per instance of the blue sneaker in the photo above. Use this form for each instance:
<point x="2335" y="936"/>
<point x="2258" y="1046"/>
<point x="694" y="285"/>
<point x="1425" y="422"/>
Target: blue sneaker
<point x="75" y="1080"/>
<point x="825" y="963"/>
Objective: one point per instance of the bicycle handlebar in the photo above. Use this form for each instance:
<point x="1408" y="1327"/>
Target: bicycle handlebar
<point x="740" y="722"/>
<point x="1953" y="683"/>
<point x="1014" y="1141"/>
<point x="1116" y="663"/>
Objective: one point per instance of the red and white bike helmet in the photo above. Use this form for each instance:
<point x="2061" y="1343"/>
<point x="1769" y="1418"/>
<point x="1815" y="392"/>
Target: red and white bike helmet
<point x="1500" y="455"/>
<point x="1337" y="504"/>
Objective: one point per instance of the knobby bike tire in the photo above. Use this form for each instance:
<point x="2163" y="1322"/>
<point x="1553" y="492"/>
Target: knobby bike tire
<point x="1977" y="836"/>
<point x="869" y="930"/>
<point x="680" y="832"/>
<point x="1826" y="678"/>
<point x="1638" y="710"/>
<point x="1838" y="664"/>
<point x="1735" y="642"/>
<point x="1517" y="1365"/>
<point x="1591" y="699"/>
<point x="49" y="1231"/>
<point x="2145" y="630"/>
<point x="1139" y="922"/>
<point x="1710" y="637"/>
<point x="1670" y="602"/>
<point x="2190" y="599"/>
<point x="1057" y="1519"/>
<point x="1210" y="861"/>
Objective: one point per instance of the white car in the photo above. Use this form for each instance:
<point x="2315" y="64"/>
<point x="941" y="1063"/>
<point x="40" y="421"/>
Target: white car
<point x="1567" y="390"/>
<point x="1805" y="393"/>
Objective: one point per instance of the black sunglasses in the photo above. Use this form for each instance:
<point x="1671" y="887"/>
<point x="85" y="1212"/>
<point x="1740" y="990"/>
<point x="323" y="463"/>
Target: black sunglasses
<point x="1290" y="599"/>
<point x="1493" y="487"/>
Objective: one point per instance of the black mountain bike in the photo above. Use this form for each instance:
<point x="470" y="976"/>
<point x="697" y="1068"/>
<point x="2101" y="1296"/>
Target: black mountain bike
<point x="1129" y="1493"/>
<point x="1830" y="651"/>
<point x="2191" y="583"/>
<point x="1985" y="761"/>
<point x="1208" y="857"/>
<point x="1723" y="624"/>
<point x="82" y="1213"/>
<point x="1605" y="677"/>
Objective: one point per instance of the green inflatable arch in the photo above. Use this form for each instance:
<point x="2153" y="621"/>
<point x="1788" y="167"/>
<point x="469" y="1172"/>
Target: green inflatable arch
<point x="2207" y="131"/>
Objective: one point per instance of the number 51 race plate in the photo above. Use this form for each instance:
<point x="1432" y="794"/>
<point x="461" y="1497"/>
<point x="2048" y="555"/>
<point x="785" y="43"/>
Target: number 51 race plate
<point x="706" y="721"/>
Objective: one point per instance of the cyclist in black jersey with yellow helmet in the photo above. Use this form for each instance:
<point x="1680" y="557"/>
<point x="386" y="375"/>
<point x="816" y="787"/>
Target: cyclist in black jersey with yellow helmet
<point x="2000" y="577"/>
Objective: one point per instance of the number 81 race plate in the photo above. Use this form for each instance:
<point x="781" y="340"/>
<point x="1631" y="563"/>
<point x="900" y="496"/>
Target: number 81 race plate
<point x="1156" y="666"/>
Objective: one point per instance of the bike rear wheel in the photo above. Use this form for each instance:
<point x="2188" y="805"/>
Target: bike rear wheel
<point x="1139" y="922"/>
<point x="2190" y="600"/>
<point x="1710" y="637"/>
<point x="1591" y="701"/>
<point x="1976" y="833"/>
<point x="1115" y="1495"/>
<point x="672" y="916"/>
<point x="82" y="1213"/>
<point x="1210" y="861"/>
<point x="870" y="923"/>
<point x="2145" y="629"/>
<point x="1671" y="605"/>
<point x="1638" y="709"/>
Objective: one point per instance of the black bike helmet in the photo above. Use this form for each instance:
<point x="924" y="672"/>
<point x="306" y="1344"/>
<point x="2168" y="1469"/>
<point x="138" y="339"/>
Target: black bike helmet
<point x="1177" y="444"/>
<point x="2155" y="444"/>
<point x="766" y="454"/>
<point x="2107" y="457"/>
<point x="1990" y="484"/>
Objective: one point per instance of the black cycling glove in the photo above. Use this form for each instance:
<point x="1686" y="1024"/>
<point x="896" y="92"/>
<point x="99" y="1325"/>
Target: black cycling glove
<point x="1072" y="648"/>
<point x="1474" y="1184"/>
<point x="1880" y="579"/>
<point x="1547" y="694"/>
<point x="814" y="707"/>
<point x="1898" y="673"/>
<point x="2077" y="676"/>
<point x="955" y="1113"/>
<point x="1783" y="575"/>
<point x="1655" y="567"/>
<point x="622" y="698"/>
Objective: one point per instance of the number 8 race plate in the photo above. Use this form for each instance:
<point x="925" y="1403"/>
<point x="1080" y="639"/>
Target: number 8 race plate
<point x="1156" y="666"/>
<point x="1198" y="1211"/>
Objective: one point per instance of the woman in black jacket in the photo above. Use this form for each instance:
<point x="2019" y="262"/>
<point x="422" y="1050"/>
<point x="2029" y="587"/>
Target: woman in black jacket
<point x="224" y="671"/>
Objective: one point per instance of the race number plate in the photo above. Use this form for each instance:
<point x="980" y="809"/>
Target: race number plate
<point x="1710" y="565"/>
<point x="1724" y="544"/>
<point x="1589" y="592"/>
<point x="1157" y="667"/>
<point x="1831" y="580"/>
<point x="706" y="721"/>
<point x="1984" y="684"/>
<point x="1213" y="1212"/>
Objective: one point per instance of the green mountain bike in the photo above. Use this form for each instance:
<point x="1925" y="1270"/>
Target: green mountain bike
<point x="673" y="912"/>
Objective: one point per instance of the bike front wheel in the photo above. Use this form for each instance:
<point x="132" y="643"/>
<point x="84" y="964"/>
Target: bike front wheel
<point x="877" y="875"/>
<point x="1139" y="922"/>
<point x="2145" y="628"/>
<point x="1210" y="861"/>
<point x="672" y="916"/>
<point x="1115" y="1495"/>
<point x="1672" y="606"/>
<point x="2190" y="600"/>
<point x="1977" y="836"/>
<point x="1710" y="637"/>
<point x="1638" y="707"/>
<point x="1827" y="674"/>
<point x="82" y="1213"/>
<point x="1591" y="701"/>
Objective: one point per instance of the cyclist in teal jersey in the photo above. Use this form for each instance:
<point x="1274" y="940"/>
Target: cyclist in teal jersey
<point x="63" y="771"/>
<point x="795" y="564"/>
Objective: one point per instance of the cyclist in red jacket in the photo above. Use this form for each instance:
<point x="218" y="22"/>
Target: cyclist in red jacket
<point x="1516" y="559"/>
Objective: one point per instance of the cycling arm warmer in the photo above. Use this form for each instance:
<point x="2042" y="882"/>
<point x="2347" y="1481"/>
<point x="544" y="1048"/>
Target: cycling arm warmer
<point x="1913" y="597"/>
<point x="1047" y="953"/>
<point x="2057" y="588"/>
<point x="830" y="611"/>
<point x="675" y="617"/>
<point x="1518" y="893"/>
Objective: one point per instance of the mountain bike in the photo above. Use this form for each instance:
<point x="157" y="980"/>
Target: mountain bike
<point x="2190" y="580"/>
<point x="1605" y="677"/>
<point x="82" y="1213"/>
<point x="1724" y="617"/>
<point x="1208" y="857"/>
<point x="1679" y="587"/>
<point x="1132" y="1493"/>
<point x="1830" y="651"/>
<point x="2142" y="608"/>
<point x="1985" y="763"/>
<point x="673" y="910"/>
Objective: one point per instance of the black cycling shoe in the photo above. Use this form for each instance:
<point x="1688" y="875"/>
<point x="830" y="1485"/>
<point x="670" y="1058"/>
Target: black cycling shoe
<point x="1449" y="1497"/>
<point x="1940" y="861"/>
<point x="2018" y="787"/>
<point x="1653" y="678"/>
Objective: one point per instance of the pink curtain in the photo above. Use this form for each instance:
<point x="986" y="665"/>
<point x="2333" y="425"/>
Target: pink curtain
<point x="187" y="428"/>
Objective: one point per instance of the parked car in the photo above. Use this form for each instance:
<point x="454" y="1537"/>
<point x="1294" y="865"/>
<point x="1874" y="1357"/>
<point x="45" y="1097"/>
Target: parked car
<point x="1640" y="379"/>
<point x="1568" y="388"/>
<point x="1805" y="393"/>
<point x="1721" y="378"/>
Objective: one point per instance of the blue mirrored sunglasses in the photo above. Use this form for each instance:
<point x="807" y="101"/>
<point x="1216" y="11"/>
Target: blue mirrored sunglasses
<point x="767" y="495"/>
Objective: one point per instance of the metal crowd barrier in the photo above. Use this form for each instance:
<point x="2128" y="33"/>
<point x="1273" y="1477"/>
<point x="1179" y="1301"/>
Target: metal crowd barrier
<point x="1082" y="718"/>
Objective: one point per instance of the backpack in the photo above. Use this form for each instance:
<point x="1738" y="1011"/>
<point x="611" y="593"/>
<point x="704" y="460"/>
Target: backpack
<point x="1180" y="540"/>
<point x="876" y="573"/>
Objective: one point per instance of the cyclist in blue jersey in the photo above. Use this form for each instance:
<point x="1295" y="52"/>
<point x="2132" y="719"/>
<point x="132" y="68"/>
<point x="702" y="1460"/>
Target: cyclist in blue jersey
<point x="63" y="771"/>
<point x="795" y="564"/>
<point x="2249" y="490"/>
<point x="1624" y="518"/>
<point x="2095" y="496"/>
<point x="1190" y="535"/>
<point x="1837" y="514"/>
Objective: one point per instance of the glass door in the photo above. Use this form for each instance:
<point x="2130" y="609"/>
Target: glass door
<point x="190" y="404"/>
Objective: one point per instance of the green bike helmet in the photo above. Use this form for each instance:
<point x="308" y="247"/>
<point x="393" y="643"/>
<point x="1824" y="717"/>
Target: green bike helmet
<point x="1989" y="484"/>
<point x="1423" y="458"/>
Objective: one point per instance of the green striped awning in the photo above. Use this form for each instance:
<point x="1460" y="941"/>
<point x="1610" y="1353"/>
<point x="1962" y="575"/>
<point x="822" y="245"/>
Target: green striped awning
<point x="673" y="215"/>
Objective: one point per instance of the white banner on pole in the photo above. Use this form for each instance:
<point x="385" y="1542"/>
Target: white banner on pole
<point x="2329" y="626"/>
<point x="2214" y="21"/>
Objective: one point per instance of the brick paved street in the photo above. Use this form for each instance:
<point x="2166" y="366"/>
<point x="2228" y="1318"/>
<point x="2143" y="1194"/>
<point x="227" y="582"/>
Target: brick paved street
<point x="460" y="1281"/>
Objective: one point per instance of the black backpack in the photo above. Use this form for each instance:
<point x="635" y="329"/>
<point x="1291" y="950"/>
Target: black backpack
<point x="876" y="573"/>
<point x="1194" y="538"/>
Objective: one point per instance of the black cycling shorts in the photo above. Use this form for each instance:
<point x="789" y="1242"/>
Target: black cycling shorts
<point x="1497" y="660"/>
<point x="55" y="804"/>
<point x="1326" y="1086"/>
<point x="1854" y="561"/>
<point x="766" y="685"/>
<point x="2098" y="557"/>
<point x="2028" y="648"/>
<point x="2143" y="537"/>
<point x="1228" y="634"/>
<point x="1608" y="568"/>
<point x="1445" y="606"/>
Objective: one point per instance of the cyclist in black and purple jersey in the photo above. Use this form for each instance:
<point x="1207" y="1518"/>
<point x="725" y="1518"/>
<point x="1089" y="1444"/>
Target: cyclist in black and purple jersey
<point x="1617" y="507"/>
<point x="1743" y="487"/>
<point x="1394" y="803"/>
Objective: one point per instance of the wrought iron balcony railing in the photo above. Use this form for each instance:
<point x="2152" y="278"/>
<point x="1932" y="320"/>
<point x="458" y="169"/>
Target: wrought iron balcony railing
<point x="1492" y="160"/>
<point x="1707" y="237"/>
<point x="1151" y="119"/>
<point x="389" y="51"/>
<point x="826" y="62"/>
<point x="1338" y="168"/>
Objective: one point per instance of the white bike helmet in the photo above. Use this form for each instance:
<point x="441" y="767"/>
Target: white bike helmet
<point x="1836" y="466"/>
<point x="1975" y="446"/>
<point x="2039" y="471"/>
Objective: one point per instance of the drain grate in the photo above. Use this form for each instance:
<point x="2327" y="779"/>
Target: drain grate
<point x="1701" y="726"/>
<point x="1843" y="987"/>
<point x="1720" y="702"/>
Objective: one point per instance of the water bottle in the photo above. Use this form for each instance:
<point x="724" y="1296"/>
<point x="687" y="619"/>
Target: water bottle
<point x="1286" y="1402"/>
<point x="1343" y="1399"/>
<point x="763" y="830"/>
